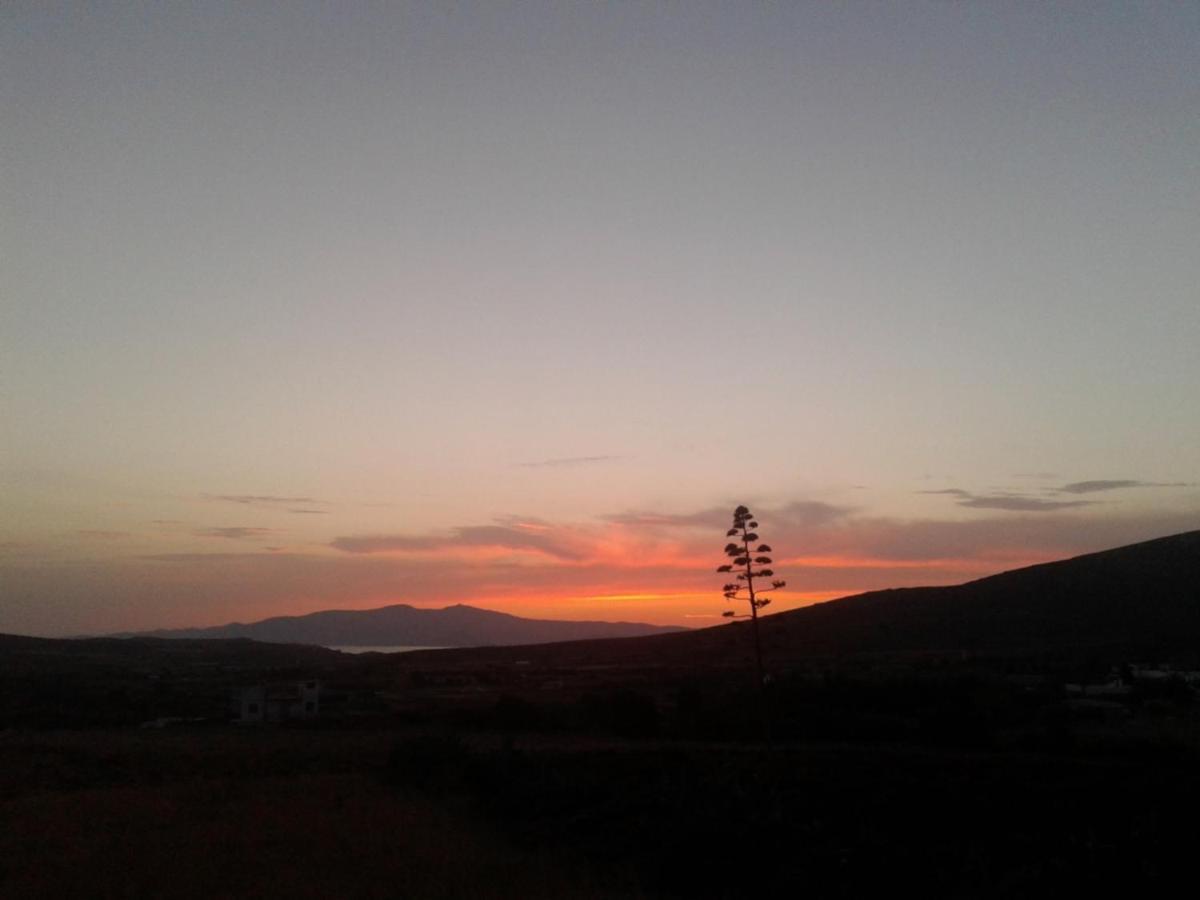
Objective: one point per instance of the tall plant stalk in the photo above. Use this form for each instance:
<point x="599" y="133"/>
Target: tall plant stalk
<point x="744" y="560"/>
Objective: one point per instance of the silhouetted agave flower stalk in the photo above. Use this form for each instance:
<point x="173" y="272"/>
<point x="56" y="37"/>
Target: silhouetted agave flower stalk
<point x="749" y="562"/>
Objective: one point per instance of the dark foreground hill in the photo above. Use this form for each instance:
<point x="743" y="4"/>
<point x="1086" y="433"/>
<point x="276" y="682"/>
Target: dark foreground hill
<point x="403" y="625"/>
<point x="1145" y="597"/>
<point x="1144" y="594"/>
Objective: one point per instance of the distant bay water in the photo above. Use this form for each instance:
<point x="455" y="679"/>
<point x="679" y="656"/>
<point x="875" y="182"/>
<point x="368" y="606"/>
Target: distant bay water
<point x="382" y="649"/>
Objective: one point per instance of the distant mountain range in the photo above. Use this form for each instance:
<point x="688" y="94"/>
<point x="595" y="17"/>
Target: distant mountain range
<point x="404" y="625"/>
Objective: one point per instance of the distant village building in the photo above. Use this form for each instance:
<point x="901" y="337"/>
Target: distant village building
<point x="279" y="701"/>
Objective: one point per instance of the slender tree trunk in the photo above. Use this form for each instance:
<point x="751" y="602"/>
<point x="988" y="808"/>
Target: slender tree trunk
<point x="760" y="674"/>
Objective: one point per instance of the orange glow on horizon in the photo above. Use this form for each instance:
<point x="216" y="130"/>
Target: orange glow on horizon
<point x="869" y="562"/>
<point x="636" y="596"/>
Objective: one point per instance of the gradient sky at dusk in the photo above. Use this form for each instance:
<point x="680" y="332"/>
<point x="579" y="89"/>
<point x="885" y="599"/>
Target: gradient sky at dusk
<point x="314" y="305"/>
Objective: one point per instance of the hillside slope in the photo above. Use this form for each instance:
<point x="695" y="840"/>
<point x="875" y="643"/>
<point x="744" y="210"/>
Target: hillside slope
<point x="1142" y="593"/>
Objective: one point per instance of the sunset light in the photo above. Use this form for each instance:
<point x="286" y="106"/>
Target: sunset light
<point x="579" y="449"/>
<point x="467" y="317"/>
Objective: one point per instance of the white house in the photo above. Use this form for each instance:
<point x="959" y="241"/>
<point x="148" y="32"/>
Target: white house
<point x="279" y="701"/>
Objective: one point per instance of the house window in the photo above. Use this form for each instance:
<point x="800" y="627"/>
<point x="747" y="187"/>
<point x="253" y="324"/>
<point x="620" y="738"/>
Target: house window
<point x="252" y="709"/>
<point x="309" y="706"/>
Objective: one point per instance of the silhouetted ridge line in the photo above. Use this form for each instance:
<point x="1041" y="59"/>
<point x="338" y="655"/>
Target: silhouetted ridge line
<point x="405" y="625"/>
<point x="1146" y="593"/>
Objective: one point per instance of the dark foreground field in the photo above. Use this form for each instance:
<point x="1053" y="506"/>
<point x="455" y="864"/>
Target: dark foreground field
<point x="390" y="812"/>
<point x="247" y="814"/>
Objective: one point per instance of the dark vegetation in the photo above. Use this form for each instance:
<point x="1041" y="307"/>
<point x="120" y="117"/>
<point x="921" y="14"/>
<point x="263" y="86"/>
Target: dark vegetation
<point x="980" y="748"/>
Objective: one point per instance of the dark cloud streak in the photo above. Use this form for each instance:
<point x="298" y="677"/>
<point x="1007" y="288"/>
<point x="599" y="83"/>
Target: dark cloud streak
<point x="1017" y="503"/>
<point x="1091" y="487"/>
<point x="464" y="536"/>
<point x="259" y="499"/>
<point x="1012" y="502"/>
<point x="233" y="532"/>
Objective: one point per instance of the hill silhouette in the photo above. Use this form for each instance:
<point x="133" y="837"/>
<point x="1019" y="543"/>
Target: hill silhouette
<point x="404" y="625"/>
<point x="1144" y="595"/>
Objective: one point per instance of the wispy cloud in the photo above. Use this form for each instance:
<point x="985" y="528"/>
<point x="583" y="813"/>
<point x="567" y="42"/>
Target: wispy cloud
<point x="1012" y="502"/>
<point x="1091" y="487"/>
<point x="564" y="461"/>
<point x="206" y="559"/>
<point x="260" y="499"/>
<point x="1044" y="501"/>
<point x="234" y="532"/>
<point x="799" y="512"/>
<point x="309" y="512"/>
<point x="102" y="535"/>
<point x="1018" y="503"/>
<point x="519" y="537"/>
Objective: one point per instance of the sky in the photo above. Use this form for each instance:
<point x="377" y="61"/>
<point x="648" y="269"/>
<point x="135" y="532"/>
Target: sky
<point x="311" y="305"/>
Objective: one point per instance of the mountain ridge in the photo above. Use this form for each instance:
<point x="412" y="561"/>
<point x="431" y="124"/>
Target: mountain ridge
<point x="402" y="624"/>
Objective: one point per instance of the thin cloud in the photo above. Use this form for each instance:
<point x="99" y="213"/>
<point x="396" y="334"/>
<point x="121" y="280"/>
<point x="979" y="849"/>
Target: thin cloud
<point x="310" y="512"/>
<point x="260" y="499"/>
<point x="209" y="558"/>
<point x="1116" y="484"/>
<point x="799" y="512"/>
<point x="563" y="461"/>
<point x="234" y="532"/>
<point x="1012" y="502"/>
<point x="1017" y="503"/>
<point x="101" y="535"/>
<point x="383" y="543"/>
<point x="536" y="539"/>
